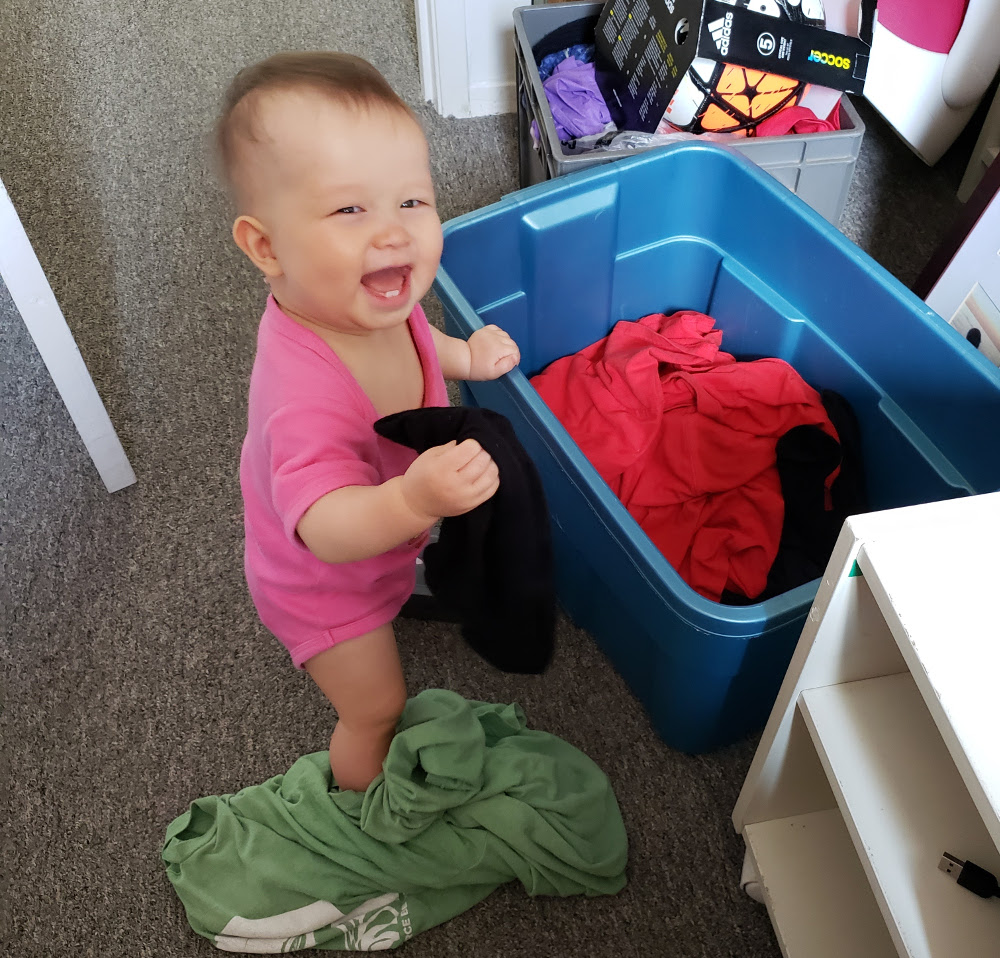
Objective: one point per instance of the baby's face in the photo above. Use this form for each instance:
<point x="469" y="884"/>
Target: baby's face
<point x="347" y="198"/>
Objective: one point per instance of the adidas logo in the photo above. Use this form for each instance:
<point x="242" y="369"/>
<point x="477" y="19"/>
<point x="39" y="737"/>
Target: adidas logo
<point x="722" y="30"/>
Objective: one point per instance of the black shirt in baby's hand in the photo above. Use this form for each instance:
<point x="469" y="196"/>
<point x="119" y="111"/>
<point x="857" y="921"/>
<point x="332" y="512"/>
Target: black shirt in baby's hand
<point x="493" y="565"/>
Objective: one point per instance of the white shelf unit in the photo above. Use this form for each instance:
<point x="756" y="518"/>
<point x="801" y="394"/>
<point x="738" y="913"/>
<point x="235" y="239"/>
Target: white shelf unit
<point x="883" y="748"/>
<point x="813" y="878"/>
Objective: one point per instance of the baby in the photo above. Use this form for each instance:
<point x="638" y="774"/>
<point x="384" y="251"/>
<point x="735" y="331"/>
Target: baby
<point x="331" y="177"/>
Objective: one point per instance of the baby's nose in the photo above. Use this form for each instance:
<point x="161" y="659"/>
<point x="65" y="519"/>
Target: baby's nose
<point x="391" y="232"/>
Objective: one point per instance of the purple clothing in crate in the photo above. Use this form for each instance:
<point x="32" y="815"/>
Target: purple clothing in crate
<point x="584" y="52"/>
<point x="576" y="103"/>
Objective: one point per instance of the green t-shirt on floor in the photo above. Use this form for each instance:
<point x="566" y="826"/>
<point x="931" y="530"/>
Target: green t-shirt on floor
<point x="469" y="798"/>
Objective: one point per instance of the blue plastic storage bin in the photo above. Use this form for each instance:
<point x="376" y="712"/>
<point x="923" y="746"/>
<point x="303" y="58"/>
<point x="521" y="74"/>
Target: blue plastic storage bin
<point x="700" y="227"/>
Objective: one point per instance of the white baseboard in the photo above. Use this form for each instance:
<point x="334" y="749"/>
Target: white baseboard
<point x="488" y="99"/>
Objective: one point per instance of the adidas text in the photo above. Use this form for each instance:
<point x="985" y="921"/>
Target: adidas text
<point x="722" y="30"/>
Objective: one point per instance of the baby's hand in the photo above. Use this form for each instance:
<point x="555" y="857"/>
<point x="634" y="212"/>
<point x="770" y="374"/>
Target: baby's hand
<point x="493" y="353"/>
<point x="450" y="480"/>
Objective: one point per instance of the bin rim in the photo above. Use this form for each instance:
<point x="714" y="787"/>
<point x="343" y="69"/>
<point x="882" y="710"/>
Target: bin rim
<point x="572" y="182"/>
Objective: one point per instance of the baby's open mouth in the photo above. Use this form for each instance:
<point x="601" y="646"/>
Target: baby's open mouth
<point x="389" y="283"/>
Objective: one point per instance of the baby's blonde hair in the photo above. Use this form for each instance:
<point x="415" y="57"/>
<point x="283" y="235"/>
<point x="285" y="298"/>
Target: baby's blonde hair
<point x="346" y="79"/>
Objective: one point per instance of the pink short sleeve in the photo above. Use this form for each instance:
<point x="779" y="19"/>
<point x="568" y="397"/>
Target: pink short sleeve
<point x="313" y="450"/>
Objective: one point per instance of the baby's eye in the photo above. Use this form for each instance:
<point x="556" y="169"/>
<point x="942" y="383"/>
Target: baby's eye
<point x="350" y="209"/>
<point x="411" y="204"/>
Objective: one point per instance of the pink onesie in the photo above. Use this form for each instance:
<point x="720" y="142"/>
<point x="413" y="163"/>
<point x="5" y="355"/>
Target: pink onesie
<point x="310" y="432"/>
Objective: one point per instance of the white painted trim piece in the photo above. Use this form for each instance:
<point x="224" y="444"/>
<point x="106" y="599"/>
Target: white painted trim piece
<point x="426" y="55"/>
<point x="423" y="51"/>
<point x="25" y="280"/>
<point x="465" y="50"/>
<point x="442" y="47"/>
<point x="489" y="99"/>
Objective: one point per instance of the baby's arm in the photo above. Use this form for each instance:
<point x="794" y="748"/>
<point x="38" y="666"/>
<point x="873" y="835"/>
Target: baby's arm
<point x="358" y="522"/>
<point x="488" y="354"/>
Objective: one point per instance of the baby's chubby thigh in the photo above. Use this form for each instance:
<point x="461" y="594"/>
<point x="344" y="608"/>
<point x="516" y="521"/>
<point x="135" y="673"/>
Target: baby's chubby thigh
<point x="360" y="672"/>
<point x="363" y="679"/>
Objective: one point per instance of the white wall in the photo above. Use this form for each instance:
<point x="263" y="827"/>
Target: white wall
<point x="466" y="50"/>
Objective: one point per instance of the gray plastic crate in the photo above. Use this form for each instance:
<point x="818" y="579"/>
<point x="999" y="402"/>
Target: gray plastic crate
<point x="818" y="167"/>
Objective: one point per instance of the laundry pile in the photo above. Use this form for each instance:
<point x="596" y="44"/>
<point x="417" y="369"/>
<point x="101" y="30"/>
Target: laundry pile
<point x="470" y="798"/>
<point x="739" y="472"/>
<point x="582" y="117"/>
<point x="570" y="83"/>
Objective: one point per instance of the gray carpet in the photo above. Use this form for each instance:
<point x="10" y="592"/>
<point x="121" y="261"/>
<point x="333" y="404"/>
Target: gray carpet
<point x="135" y="674"/>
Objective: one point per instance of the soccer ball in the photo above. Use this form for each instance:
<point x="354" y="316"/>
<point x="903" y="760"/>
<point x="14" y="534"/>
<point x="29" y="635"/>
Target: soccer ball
<point x="715" y="97"/>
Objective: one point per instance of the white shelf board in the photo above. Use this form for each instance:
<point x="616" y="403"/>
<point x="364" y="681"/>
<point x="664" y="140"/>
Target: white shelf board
<point x="815" y="889"/>
<point x="904" y="804"/>
<point x="944" y="610"/>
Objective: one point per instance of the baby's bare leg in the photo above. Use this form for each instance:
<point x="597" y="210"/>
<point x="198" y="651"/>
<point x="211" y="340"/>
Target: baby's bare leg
<point x="363" y="680"/>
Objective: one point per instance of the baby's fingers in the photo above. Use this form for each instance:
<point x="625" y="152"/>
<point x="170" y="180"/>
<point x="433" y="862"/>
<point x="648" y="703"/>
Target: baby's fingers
<point x="485" y="486"/>
<point x="506" y="363"/>
<point x="476" y="467"/>
<point x="460" y="454"/>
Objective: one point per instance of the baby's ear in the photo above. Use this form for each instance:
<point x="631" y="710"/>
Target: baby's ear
<point x="251" y="237"/>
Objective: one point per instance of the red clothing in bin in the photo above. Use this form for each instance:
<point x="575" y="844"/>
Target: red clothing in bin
<point x="685" y="436"/>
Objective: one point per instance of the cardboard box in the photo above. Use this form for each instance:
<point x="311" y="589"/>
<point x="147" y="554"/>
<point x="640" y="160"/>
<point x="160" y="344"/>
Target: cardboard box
<point x="646" y="47"/>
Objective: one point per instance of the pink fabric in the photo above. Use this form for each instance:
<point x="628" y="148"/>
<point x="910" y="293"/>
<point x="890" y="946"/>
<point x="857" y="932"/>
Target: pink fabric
<point x="310" y="432"/>
<point x="798" y="119"/>
<point x="930" y="24"/>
